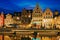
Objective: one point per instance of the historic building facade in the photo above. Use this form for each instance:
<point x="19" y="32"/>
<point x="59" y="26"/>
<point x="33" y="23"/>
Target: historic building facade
<point x="37" y="16"/>
<point x="1" y="19"/>
<point x="17" y="18"/>
<point x="38" y="19"/>
<point x="24" y="16"/>
<point x="8" y="20"/>
<point x="48" y="18"/>
<point x="57" y="22"/>
<point x="57" y="19"/>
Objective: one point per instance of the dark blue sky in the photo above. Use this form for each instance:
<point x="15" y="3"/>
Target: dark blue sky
<point x="18" y="5"/>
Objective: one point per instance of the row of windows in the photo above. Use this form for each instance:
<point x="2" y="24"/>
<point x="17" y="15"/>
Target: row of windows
<point x="48" y="13"/>
<point x="49" y="24"/>
<point x="41" y="16"/>
<point x="37" y="12"/>
<point x="48" y="17"/>
<point x="37" y="15"/>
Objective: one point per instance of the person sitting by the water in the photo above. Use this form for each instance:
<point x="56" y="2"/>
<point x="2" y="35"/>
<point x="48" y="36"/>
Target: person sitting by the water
<point x="36" y="36"/>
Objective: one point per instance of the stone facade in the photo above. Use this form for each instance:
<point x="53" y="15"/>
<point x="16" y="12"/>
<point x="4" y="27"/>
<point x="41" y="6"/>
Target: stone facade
<point x="37" y="16"/>
<point x="8" y="20"/>
<point x="48" y="18"/>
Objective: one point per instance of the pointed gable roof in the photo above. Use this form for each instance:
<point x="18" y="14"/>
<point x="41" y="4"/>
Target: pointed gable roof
<point x="37" y="9"/>
<point x="8" y="15"/>
<point x="24" y="11"/>
<point x="48" y="11"/>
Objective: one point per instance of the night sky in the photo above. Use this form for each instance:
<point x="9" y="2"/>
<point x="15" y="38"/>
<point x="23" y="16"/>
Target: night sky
<point x="18" y="5"/>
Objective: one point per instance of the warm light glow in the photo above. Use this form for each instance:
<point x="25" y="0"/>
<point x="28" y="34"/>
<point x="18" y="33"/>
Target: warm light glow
<point x="7" y="38"/>
<point x="29" y="16"/>
<point x="1" y="20"/>
<point x="45" y="20"/>
<point x="18" y="18"/>
<point x="1" y="37"/>
<point x="55" y="18"/>
<point x="8" y="20"/>
<point x="38" y="33"/>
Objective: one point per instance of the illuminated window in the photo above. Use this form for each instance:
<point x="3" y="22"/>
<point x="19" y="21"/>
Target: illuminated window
<point x="29" y="16"/>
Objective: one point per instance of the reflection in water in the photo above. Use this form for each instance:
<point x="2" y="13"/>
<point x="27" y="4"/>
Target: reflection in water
<point x="30" y="36"/>
<point x="7" y="38"/>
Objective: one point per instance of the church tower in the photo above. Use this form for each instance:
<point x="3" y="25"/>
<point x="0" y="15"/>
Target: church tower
<point x="37" y="16"/>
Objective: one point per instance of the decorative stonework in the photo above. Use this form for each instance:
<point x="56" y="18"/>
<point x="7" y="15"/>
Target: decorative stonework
<point x="8" y="20"/>
<point x="37" y="16"/>
<point x="48" y="18"/>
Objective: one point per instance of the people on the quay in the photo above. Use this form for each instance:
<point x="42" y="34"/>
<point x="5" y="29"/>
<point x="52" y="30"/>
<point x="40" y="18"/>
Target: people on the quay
<point x="36" y="36"/>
